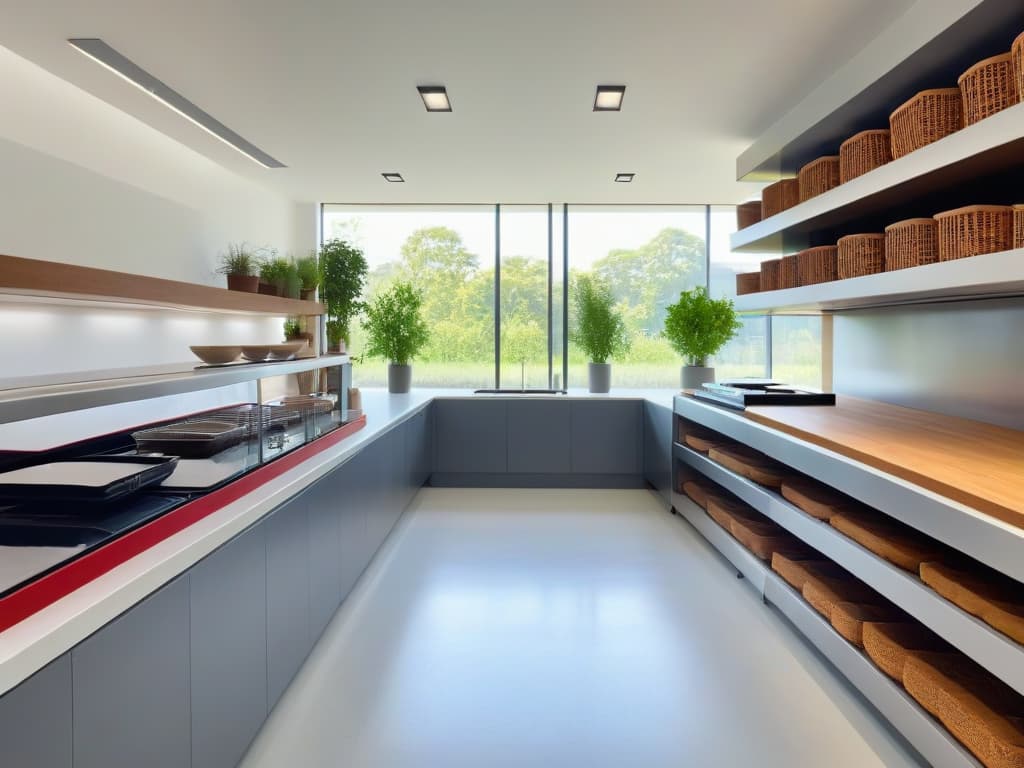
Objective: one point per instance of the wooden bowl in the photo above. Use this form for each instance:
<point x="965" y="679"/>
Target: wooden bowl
<point x="256" y="353"/>
<point x="217" y="355"/>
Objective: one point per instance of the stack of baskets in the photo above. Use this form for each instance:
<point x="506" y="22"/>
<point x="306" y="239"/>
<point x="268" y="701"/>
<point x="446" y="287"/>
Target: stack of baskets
<point x="861" y="255"/>
<point x="818" y="177"/>
<point x="748" y="214"/>
<point x="911" y="243"/>
<point x="777" y="197"/>
<point x="864" y="152"/>
<point x="975" y="230"/>
<point x="988" y="87"/>
<point x="927" y="117"/>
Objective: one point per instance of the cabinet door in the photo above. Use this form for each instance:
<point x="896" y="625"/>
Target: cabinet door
<point x="470" y="436"/>
<point x="131" y="686"/>
<point x="326" y="555"/>
<point x="606" y="437"/>
<point x="538" y="437"/>
<point x="384" y="497"/>
<point x="288" y="586"/>
<point x="658" y="448"/>
<point x="229" y="650"/>
<point x="417" y="453"/>
<point x="35" y="719"/>
<point x="349" y="496"/>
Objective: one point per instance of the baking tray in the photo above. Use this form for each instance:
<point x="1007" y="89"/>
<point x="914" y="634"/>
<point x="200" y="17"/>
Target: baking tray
<point x="94" y="480"/>
<point x="197" y="439"/>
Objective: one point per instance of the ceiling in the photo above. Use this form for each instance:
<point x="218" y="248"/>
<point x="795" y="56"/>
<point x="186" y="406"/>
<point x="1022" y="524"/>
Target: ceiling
<point x="329" y="88"/>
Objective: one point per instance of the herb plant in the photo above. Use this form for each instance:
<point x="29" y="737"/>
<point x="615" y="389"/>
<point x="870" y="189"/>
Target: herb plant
<point x="309" y="271"/>
<point x="343" y="271"/>
<point x="292" y="328"/>
<point x="394" y="326"/>
<point x="599" y="330"/>
<point x="239" y="260"/>
<point x="697" y="326"/>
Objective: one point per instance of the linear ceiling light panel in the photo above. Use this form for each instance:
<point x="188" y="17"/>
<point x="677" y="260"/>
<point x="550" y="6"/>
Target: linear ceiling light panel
<point x="625" y="178"/>
<point x="435" y="98"/>
<point x="394" y="177"/>
<point x="609" y="98"/>
<point x="101" y="53"/>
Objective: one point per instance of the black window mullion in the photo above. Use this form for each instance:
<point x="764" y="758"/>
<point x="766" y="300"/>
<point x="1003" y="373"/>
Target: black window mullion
<point x="497" y="296"/>
<point x="565" y="296"/>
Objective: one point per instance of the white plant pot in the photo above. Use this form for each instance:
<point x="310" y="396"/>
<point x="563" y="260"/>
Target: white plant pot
<point x="599" y="377"/>
<point x="693" y="376"/>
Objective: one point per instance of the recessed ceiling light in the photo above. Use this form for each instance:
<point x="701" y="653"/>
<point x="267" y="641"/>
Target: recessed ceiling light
<point x="435" y="98"/>
<point x="624" y="177"/>
<point x="103" y="54"/>
<point x="609" y="98"/>
<point x="393" y="177"/>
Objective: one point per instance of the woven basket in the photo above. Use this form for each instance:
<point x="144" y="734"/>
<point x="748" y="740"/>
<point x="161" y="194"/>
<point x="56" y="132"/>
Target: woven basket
<point x="779" y="196"/>
<point x="817" y="265"/>
<point x="816" y="499"/>
<point x="929" y="116"/>
<point x="899" y="544"/>
<point x="849" y="619"/>
<point x="864" y="152"/>
<point x="1018" y="226"/>
<point x="988" y="87"/>
<point x="995" y="599"/>
<point x="889" y="643"/>
<point x="824" y="593"/>
<point x="1018" y="64"/>
<point x="818" y="176"/>
<point x="911" y="243"/>
<point x="790" y="275"/>
<point x="771" y="274"/>
<point x="861" y="255"/>
<point x="748" y="214"/>
<point x="796" y="571"/>
<point x="749" y="282"/>
<point x="974" y="230"/>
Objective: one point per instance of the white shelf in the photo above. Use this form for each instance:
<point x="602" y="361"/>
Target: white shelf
<point x="990" y="146"/>
<point x="926" y="735"/>
<point x="988" y="276"/>
<point x="47" y="399"/>
<point x="993" y="542"/>
<point x="999" y="654"/>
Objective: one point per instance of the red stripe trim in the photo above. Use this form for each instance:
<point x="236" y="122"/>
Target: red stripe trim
<point x="53" y="586"/>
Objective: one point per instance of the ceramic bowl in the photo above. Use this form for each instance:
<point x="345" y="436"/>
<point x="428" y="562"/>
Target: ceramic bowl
<point x="285" y="351"/>
<point x="256" y="354"/>
<point x="217" y="355"/>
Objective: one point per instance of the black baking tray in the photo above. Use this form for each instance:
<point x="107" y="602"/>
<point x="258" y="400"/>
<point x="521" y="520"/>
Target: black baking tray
<point x="196" y="439"/>
<point x="159" y="468"/>
<point x="741" y="394"/>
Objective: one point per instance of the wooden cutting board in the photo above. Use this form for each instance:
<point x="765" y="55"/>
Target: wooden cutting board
<point x="977" y="464"/>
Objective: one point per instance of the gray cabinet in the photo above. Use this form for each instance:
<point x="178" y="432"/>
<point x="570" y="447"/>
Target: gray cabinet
<point x="327" y="557"/>
<point x="288" y="593"/>
<point x="606" y="437"/>
<point x="658" y="421"/>
<point x="35" y="719"/>
<point x="470" y="436"/>
<point x="418" y="450"/>
<point x="539" y="437"/>
<point x="229" y="650"/>
<point x="385" y="473"/>
<point x="131" y="686"/>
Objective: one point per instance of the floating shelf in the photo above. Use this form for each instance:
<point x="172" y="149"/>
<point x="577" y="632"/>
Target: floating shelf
<point x="987" y="147"/>
<point x="31" y="277"/>
<point x="991" y="275"/>
<point x="999" y="654"/>
<point x="46" y="400"/>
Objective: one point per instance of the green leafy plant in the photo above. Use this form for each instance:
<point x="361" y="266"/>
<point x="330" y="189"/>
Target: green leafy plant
<point x="343" y="271"/>
<point x="292" y="328"/>
<point x="394" y="326"/>
<point x="239" y="260"/>
<point x="309" y="271"/>
<point x="599" y="330"/>
<point x="283" y="275"/>
<point x="697" y="326"/>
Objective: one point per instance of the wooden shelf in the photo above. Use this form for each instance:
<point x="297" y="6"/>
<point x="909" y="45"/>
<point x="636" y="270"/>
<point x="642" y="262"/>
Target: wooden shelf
<point x="992" y="275"/>
<point x="990" y="146"/>
<point x="32" y="277"/>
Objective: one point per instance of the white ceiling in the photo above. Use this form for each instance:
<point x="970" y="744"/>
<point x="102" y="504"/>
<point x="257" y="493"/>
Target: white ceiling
<point x="328" y="87"/>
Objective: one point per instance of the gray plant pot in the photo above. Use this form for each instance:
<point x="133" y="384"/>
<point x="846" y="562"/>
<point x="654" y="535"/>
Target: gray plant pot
<point x="399" y="378"/>
<point x="695" y="375"/>
<point x="599" y="377"/>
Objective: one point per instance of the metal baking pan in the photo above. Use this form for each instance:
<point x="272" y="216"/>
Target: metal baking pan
<point x="198" y="439"/>
<point x="88" y="479"/>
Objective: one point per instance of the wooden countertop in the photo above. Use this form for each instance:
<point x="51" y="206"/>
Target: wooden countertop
<point x="977" y="464"/>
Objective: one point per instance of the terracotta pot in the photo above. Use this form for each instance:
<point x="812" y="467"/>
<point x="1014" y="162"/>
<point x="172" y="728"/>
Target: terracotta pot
<point x="268" y="289"/>
<point x="308" y="295"/>
<point x="245" y="283"/>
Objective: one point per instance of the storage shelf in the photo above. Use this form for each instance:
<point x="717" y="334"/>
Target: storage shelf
<point x="45" y="400"/>
<point x="987" y="147"/>
<point x="991" y="275"/>
<point x="925" y="734"/>
<point x="49" y="279"/>
<point x="993" y="650"/>
<point x="983" y="537"/>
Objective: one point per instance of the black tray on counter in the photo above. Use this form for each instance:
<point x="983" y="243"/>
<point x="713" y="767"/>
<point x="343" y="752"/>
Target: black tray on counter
<point x="198" y="439"/>
<point x="740" y="394"/>
<point x="157" y="469"/>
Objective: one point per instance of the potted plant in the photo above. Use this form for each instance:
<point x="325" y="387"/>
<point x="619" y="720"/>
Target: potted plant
<point x="309" y="273"/>
<point x="292" y="329"/>
<point x="343" y="271"/>
<point x="697" y="327"/>
<point x="396" y="331"/>
<point x="599" y="330"/>
<point x="278" y="277"/>
<point x="240" y="266"/>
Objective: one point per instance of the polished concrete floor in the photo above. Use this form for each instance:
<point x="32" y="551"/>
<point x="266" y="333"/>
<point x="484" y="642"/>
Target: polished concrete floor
<point x="561" y="628"/>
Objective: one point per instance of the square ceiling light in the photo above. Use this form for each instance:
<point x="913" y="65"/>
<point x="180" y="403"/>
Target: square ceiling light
<point x="394" y="177"/>
<point x="624" y="178"/>
<point x="609" y="98"/>
<point x="435" y="98"/>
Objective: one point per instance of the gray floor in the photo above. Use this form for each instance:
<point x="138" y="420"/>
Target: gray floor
<point x="576" y="628"/>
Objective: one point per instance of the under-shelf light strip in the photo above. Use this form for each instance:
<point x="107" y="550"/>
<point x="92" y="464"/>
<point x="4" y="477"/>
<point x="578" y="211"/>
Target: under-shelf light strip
<point x="107" y="57"/>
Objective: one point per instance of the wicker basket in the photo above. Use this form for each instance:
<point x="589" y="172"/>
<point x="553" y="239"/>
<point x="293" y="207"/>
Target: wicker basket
<point x="779" y="196"/>
<point x="929" y="116"/>
<point x="771" y="274"/>
<point x="818" y="176"/>
<point x="789" y="272"/>
<point x="988" y="87"/>
<point x="899" y="544"/>
<point x="1018" y="226"/>
<point x="861" y="255"/>
<point x="1018" y="64"/>
<point x="864" y="152"/>
<point x="981" y="592"/>
<point x="911" y="243"/>
<point x="749" y="282"/>
<point x="817" y="265"/>
<point x="748" y="214"/>
<point x="796" y="570"/>
<point x="974" y="230"/>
